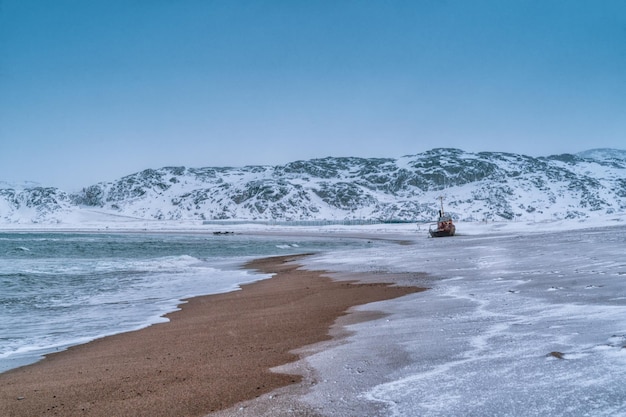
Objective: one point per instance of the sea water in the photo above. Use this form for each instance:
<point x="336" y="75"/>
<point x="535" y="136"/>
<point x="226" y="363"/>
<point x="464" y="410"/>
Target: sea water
<point x="58" y="290"/>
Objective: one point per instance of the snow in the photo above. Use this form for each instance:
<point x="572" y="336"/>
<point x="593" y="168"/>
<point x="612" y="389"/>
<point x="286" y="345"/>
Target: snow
<point x="478" y="186"/>
<point x="515" y="323"/>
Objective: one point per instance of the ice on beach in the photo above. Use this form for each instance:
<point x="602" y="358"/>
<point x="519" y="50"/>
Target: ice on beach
<point x="514" y="324"/>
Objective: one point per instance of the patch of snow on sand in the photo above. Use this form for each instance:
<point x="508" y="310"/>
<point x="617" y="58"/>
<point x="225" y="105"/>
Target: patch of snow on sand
<point x="491" y="336"/>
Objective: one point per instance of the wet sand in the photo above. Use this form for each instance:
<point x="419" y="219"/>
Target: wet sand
<point x="213" y="353"/>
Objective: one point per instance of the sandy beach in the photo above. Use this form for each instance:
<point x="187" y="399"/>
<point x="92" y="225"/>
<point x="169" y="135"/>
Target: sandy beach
<point x="213" y="353"/>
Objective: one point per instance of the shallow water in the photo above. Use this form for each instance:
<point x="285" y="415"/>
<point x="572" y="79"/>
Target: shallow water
<point x="60" y="289"/>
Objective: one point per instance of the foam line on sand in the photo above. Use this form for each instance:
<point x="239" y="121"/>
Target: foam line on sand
<point x="215" y="352"/>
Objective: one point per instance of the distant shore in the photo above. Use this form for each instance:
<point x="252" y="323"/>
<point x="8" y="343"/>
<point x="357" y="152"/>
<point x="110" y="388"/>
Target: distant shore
<point x="213" y="353"/>
<point x="418" y="229"/>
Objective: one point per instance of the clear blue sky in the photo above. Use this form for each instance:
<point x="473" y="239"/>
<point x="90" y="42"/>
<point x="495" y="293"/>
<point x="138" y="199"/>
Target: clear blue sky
<point x="94" y="90"/>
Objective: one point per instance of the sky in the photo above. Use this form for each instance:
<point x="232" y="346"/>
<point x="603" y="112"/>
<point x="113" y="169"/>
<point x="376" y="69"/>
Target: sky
<point x="94" y="90"/>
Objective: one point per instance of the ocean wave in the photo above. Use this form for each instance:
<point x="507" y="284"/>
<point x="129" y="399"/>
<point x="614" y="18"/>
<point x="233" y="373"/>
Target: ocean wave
<point x="82" y="287"/>
<point x="288" y="246"/>
<point x="75" y="267"/>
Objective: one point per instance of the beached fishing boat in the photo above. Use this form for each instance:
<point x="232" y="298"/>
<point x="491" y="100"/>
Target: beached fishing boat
<point x="444" y="227"/>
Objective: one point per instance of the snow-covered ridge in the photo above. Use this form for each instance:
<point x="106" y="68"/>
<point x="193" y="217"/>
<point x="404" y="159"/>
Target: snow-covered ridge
<point x="476" y="186"/>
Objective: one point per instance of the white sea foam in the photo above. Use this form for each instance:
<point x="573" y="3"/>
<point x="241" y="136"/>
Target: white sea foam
<point x="71" y="288"/>
<point x="109" y="308"/>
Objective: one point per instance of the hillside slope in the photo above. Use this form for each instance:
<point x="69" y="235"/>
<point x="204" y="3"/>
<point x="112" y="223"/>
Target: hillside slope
<point x="476" y="186"/>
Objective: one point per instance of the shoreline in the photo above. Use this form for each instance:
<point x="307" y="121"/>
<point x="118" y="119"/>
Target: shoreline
<point x="215" y="352"/>
<point x="392" y="230"/>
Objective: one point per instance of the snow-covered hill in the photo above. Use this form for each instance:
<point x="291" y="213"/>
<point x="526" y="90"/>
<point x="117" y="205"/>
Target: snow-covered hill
<point x="476" y="186"/>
